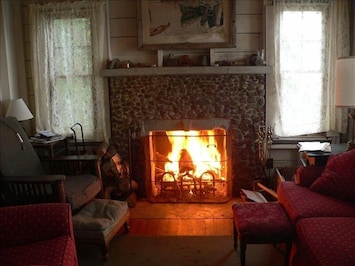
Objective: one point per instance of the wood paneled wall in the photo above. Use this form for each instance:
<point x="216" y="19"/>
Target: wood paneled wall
<point x="122" y="28"/>
<point x="123" y="33"/>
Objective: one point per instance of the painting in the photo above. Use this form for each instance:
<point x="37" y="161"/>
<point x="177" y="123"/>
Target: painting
<point x="186" y="24"/>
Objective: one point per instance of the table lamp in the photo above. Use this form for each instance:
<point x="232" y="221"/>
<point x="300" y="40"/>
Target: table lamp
<point x="345" y="90"/>
<point x="19" y="109"/>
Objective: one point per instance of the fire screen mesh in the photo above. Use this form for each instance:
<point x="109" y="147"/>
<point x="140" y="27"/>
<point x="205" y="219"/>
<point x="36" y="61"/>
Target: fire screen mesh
<point x="188" y="166"/>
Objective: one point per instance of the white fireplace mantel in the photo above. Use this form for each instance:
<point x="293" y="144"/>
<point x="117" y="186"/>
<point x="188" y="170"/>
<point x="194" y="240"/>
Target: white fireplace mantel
<point x="195" y="70"/>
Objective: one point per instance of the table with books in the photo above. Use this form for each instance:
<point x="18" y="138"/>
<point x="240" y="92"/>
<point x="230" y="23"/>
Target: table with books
<point x="49" y="145"/>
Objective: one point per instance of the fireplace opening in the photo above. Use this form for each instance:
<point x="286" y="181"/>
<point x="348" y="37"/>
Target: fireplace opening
<point x="188" y="165"/>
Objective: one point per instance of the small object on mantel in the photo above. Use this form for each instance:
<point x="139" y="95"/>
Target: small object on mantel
<point x="113" y="63"/>
<point x="184" y="60"/>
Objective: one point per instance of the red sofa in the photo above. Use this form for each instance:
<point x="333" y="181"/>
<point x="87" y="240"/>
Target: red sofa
<point x="39" y="234"/>
<point x="321" y="207"/>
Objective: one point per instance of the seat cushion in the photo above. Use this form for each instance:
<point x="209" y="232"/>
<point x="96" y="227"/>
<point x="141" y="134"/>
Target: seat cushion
<point x="57" y="251"/>
<point x="301" y="202"/>
<point x="80" y="189"/>
<point x="99" y="214"/>
<point x="261" y="222"/>
<point x="328" y="240"/>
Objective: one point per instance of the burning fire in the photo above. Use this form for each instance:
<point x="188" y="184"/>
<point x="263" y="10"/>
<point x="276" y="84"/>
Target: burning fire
<point x="194" y="154"/>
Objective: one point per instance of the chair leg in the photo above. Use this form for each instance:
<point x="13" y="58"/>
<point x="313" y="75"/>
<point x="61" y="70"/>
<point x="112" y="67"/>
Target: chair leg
<point x="104" y="249"/>
<point x="235" y="234"/>
<point x="288" y="251"/>
<point x="126" y="227"/>
<point x="243" y="248"/>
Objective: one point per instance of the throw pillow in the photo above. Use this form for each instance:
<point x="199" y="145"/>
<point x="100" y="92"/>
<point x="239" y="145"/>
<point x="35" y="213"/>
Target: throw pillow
<point x="306" y="175"/>
<point x="338" y="177"/>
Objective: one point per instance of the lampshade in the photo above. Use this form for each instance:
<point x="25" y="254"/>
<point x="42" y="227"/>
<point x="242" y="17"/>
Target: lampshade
<point x="345" y="82"/>
<point x="19" y="109"/>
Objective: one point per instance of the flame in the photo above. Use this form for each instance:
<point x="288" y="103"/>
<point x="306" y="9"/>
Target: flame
<point x="197" y="151"/>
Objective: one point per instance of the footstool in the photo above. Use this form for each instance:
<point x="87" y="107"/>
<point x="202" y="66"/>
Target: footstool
<point x="99" y="221"/>
<point x="261" y="223"/>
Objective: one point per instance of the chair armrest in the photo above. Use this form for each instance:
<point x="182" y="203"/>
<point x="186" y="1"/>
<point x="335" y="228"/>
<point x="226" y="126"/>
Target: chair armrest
<point x="19" y="190"/>
<point x="20" y="225"/>
<point x="306" y="175"/>
<point x="34" y="179"/>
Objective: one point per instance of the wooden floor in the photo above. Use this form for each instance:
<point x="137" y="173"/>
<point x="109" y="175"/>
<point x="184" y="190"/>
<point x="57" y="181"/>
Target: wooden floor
<point x="181" y="227"/>
<point x="209" y="224"/>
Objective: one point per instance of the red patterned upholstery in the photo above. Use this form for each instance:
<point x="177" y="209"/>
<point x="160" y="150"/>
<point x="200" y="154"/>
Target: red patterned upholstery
<point x="324" y="221"/>
<point x="259" y="223"/>
<point x="300" y="202"/>
<point x="305" y="176"/>
<point x="328" y="240"/>
<point x="338" y="177"/>
<point x="40" y="234"/>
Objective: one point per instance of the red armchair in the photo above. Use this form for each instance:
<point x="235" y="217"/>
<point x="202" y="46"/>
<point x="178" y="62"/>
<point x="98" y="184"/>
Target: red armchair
<point x="39" y="234"/>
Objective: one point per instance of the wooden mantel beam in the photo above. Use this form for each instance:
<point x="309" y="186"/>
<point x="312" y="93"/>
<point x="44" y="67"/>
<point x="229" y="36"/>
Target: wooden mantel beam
<point x="195" y="70"/>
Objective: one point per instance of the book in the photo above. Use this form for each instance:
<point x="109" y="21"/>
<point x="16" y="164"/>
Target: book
<point x="254" y="195"/>
<point x="46" y="137"/>
<point x="314" y="146"/>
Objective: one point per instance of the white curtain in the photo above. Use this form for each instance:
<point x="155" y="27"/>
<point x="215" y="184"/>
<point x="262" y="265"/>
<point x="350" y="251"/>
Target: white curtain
<point x="297" y="108"/>
<point x="68" y="42"/>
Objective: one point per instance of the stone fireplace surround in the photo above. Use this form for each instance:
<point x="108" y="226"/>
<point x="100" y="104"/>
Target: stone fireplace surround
<point x="238" y="97"/>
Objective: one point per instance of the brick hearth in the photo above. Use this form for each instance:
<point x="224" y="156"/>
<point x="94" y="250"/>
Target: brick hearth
<point x="237" y="97"/>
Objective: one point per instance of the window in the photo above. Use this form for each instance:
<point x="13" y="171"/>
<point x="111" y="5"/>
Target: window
<point x="305" y="50"/>
<point x="301" y="71"/>
<point x="72" y="75"/>
<point x="67" y="55"/>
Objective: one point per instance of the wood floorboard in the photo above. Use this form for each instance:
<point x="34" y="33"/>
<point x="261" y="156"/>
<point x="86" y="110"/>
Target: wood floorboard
<point x="181" y="227"/>
<point x="153" y="220"/>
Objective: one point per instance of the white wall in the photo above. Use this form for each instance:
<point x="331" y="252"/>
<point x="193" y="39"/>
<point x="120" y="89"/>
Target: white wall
<point x="13" y="82"/>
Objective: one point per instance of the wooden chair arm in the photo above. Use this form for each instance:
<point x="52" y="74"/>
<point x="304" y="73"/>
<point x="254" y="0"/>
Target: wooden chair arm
<point x="270" y="191"/>
<point x="33" y="179"/>
<point x="20" y="190"/>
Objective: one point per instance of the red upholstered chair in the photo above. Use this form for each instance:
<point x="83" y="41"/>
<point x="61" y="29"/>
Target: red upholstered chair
<point x="37" y="234"/>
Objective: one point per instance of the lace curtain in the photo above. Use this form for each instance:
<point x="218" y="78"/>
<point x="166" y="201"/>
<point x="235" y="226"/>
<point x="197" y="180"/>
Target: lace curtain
<point x="297" y="107"/>
<point x="68" y="47"/>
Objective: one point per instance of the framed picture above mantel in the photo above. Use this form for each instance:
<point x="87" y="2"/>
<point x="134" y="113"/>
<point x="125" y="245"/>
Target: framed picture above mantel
<point x="181" y="24"/>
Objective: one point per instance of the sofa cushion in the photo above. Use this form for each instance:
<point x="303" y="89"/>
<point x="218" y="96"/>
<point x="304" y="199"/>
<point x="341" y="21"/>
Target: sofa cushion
<point x="328" y="240"/>
<point x="338" y="177"/>
<point x="57" y="251"/>
<point x="301" y="202"/>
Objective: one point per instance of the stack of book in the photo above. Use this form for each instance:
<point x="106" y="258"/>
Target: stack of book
<point x="46" y="137"/>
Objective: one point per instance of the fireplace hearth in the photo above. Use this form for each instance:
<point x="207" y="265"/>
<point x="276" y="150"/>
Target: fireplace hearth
<point x="188" y="161"/>
<point x="238" y="98"/>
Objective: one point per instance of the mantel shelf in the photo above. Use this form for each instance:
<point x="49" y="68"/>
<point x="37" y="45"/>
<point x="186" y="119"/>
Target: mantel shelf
<point x="196" y="70"/>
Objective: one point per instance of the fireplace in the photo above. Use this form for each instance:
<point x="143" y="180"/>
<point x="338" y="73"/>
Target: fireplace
<point x="137" y="99"/>
<point x="188" y="161"/>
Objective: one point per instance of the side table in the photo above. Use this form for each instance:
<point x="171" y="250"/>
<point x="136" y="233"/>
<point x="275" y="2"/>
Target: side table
<point x="320" y="158"/>
<point x="49" y="150"/>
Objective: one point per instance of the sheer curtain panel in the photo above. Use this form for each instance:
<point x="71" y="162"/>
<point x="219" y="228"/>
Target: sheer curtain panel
<point x="309" y="35"/>
<point x="68" y="45"/>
